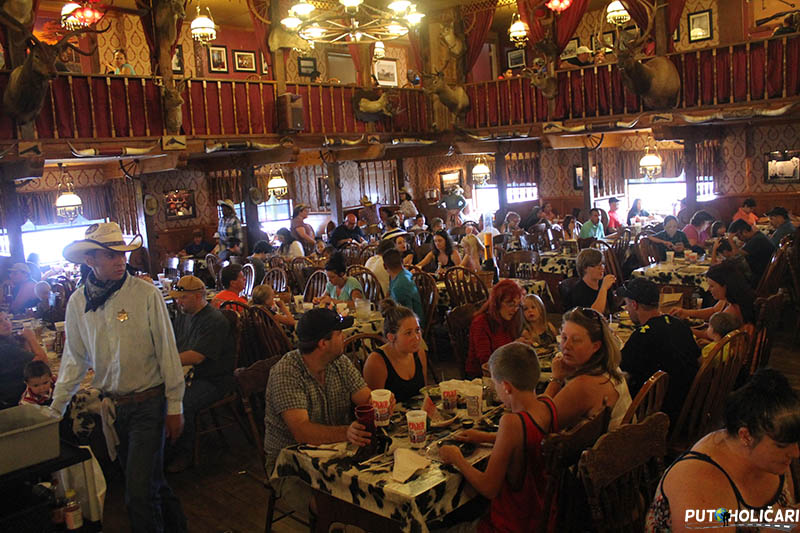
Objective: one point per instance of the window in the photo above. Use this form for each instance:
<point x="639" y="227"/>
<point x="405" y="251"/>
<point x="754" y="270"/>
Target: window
<point x="485" y="200"/>
<point x="274" y="214"/>
<point x="49" y="241"/>
<point x="661" y="195"/>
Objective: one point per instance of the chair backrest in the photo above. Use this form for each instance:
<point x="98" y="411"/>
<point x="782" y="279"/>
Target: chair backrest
<point x="621" y="244"/>
<point x="647" y="251"/>
<point x="585" y="242"/>
<point x="297" y="273"/>
<point x="358" y="347"/>
<point x="564" y="289"/>
<point x="772" y="277"/>
<point x="561" y="453"/>
<point x="212" y="264"/>
<point x="519" y="264"/>
<point x="429" y="294"/>
<point x="329" y="227"/>
<point x="261" y="336"/>
<point x="702" y="409"/>
<point x="601" y="245"/>
<point x="422" y="237"/>
<point x="276" y="278"/>
<point x="187" y="267"/>
<point x="367" y="252"/>
<point x="233" y="305"/>
<point x="458" y="321"/>
<point x="649" y="399"/>
<point x="233" y="323"/>
<point x="768" y="318"/>
<point x="252" y="385"/>
<point x="372" y="231"/>
<point x="276" y="261"/>
<point x="464" y="286"/>
<point x="538" y="238"/>
<point x="249" y="279"/>
<point x="611" y="264"/>
<point x="621" y="472"/>
<point x="315" y="286"/>
<point x="351" y="253"/>
<point x="373" y="291"/>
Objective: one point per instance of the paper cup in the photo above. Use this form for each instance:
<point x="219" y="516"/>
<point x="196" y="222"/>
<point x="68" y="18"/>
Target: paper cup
<point x="381" y="400"/>
<point x="449" y="396"/>
<point x="670" y="256"/>
<point x="474" y="399"/>
<point x="417" y="432"/>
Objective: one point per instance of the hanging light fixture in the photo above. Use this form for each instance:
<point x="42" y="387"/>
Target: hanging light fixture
<point x="68" y="204"/>
<point x="518" y="31"/>
<point x="203" y="28"/>
<point x="79" y="15"/>
<point x="650" y="164"/>
<point x="380" y="50"/>
<point x="558" y="5"/>
<point x="616" y="13"/>
<point x="277" y="187"/>
<point x="481" y="171"/>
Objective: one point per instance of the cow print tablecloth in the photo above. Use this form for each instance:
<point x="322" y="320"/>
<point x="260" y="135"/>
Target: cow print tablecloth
<point x="675" y="274"/>
<point x="555" y="263"/>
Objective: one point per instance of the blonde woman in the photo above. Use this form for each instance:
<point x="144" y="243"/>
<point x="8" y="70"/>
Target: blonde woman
<point x="473" y="253"/>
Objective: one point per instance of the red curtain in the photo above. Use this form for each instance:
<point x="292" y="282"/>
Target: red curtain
<point x="674" y="12"/>
<point x="261" y="31"/>
<point x="148" y="25"/>
<point x="568" y="22"/>
<point x="477" y="23"/>
<point x="416" y="54"/>
<point x="354" y="50"/>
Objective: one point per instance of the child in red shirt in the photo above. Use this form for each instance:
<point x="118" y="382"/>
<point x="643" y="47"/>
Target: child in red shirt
<point x="39" y="380"/>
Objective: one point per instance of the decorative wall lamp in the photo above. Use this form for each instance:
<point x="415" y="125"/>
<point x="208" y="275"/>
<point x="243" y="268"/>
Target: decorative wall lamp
<point x="518" y="32"/>
<point x="481" y="171"/>
<point x="203" y="28"/>
<point x="68" y="204"/>
<point x="277" y="187"/>
<point x="650" y="164"/>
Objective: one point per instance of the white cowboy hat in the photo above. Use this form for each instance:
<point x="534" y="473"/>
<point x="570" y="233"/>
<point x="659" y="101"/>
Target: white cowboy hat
<point x="104" y="236"/>
<point x="227" y="202"/>
<point x="583" y="50"/>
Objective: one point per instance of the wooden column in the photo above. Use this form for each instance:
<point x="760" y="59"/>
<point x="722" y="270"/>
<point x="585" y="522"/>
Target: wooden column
<point x="690" y="170"/>
<point x="146" y="227"/>
<point x="334" y="182"/>
<point x="248" y="180"/>
<point x="13" y="219"/>
<point x="501" y="178"/>
<point x="587" y="181"/>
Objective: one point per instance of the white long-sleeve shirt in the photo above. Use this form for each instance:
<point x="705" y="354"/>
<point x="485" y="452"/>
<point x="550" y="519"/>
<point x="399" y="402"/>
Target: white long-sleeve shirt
<point x="128" y="342"/>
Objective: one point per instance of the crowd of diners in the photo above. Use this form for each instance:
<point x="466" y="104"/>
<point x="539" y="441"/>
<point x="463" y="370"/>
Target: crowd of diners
<point x="312" y="388"/>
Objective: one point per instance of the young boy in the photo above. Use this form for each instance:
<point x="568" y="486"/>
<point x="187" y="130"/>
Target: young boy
<point x="514" y="479"/>
<point x="719" y="325"/>
<point x="39" y="381"/>
<point x="419" y="223"/>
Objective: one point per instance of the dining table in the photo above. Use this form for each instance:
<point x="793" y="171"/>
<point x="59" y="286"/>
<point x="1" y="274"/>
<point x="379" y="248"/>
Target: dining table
<point x="557" y="262"/>
<point x="676" y="272"/>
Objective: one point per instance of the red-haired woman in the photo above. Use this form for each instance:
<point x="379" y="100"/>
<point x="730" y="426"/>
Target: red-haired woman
<point x="497" y="322"/>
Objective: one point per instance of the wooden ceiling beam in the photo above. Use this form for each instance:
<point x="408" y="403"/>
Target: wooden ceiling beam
<point x="231" y="160"/>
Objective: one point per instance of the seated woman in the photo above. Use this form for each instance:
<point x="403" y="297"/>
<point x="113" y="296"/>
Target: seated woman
<point x="16" y="351"/>
<point x="264" y="296"/>
<point x="733" y="295"/>
<point x="497" y="322"/>
<point x="340" y="286"/>
<point x="718" y="230"/>
<point x="570" y="228"/>
<point x="401" y="244"/>
<point x="444" y="252"/>
<point x="636" y="211"/>
<point x="697" y="230"/>
<point x="671" y="238"/>
<point x="511" y="223"/>
<point x="400" y="365"/>
<point x="592" y="289"/>
<point x="514" y="478"/>
<point x="290" y="246"/>
<point x="473" y="253"/>
<point x="547" y="212"/>
<point x="586" y="375"/>
<point x="537" y="329"/>
<point x="744" y="466"/>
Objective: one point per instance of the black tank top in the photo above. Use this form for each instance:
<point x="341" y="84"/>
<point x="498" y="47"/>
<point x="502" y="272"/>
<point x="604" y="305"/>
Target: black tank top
<point x="403" y="389"/>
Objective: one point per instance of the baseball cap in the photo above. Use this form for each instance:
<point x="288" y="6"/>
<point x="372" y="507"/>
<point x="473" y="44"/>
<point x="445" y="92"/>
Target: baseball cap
<point x="640" y="290"/>
<point x="319" y="322"/>
<point x="778" y="211"/>
<point x="187" y="284"/>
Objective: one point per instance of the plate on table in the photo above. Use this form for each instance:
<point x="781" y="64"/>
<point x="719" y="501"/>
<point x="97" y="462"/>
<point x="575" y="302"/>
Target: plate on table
<point x="695" y="322"/>
<point x="432" y="390"/>
<point x="544" y="351"/>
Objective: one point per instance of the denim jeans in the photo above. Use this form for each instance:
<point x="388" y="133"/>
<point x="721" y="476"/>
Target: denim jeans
<point x="152" y="507"/>
<point x="198" y="395"/>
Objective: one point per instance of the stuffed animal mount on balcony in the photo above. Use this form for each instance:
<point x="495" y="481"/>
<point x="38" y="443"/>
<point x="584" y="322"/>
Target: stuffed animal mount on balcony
<point x="369" y="107"/>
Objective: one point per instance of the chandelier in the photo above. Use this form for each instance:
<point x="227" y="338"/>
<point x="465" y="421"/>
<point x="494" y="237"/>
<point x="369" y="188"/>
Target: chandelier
<point x="68" y="204"/>
<point x="616" y="13"/>
<point x="650" y="164"/>
<point x="481" y="171"/>
<point x="352" y="21"/>
<point x="380" y="50"/>
<point x="558" y="5"/>
<point x="75" y="16"/>
<point x="203" y="28"/>
<point x="518" y="31"/>
<point x="277" y="186"/>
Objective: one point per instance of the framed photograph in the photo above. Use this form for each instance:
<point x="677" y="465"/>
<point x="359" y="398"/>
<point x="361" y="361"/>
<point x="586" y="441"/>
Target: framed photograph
<point x="782" y="167"/>
<point x="516" y="58"/>
<point x="577" y="177"/>
<point x="449" y="178"/>
<point x="323" y="193"/>
<point x="244" y="61"/>
<point x="385" y="71"/>
<point x="179" y="204"/>
<point x="264" y="65"/>
<point x="700" y="28"/>
<point x="608" y="37"/>
<point x="177" y="60"/>
<point x="218" y="58"/>
<point x="571" y="50"/>
<point x="306" y="66"/>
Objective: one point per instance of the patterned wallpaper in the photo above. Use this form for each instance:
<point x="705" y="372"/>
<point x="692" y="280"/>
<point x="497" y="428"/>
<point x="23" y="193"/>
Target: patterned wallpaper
<point x="157" y="184"/>
<point x="556" y="173"/>
<point x="51" y="177"/>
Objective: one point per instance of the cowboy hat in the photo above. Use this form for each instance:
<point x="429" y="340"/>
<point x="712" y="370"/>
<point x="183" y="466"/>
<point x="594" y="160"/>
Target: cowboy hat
<point x="227" y="202"/>
<point x="104" y="236"/>
<point x="365" y="201"/>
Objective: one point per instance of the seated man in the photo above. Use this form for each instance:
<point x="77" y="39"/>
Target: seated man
<point x="402" y="288"/>
<point x="234" y="249"/>
<point x="233" y="283"/>
<point x="46" y="308"/>
<point x="310" y="395"/>
<point x="198" y="248"/>
<point x="660" y="342"/>
<point x="613" y="220"/>
<point x="258" y="260"/>
<point x="757" y="248"/>
<point x="593" y="289"/>
<point x="204" y="341"/>
<point x="592" y="227"/>
<point x="779" y="219"/>
<point x="747" y="212"/>
<point x="347" y="232"/>
<point x="19" y="276"/>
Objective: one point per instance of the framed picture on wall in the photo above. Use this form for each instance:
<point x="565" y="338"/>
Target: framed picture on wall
<point x="449" y="178"/>
<point x="516" y="58"/>
<point x="571" y="50"/>
<point x="179" y="204"/>
<point x="264" y="65"/>
<point x="700" y="28"/>
<point x="306" y="66"/>
<point x="386" y="72"/>
<point x="782" y="167"/>
<point x="177" y="60"/>
<point x="608" y="37"/>
<point x="218" y="58"/>
<point x="323" y="193"/>
<point x="577" y="177"/>
<point x="244" y="61"/>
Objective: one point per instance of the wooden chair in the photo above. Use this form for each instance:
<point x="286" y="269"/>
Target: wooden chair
<point x="315" y="286"/>
<point x="702" y="409"/>
<point x="564" y="289"/>
<point x="563" y="491"/>
<point x="373" y="232"/>
<point x="329" y="227"/>
<point x="373" y="291"/>
<point x="276" y="278"/>
<point x="351" y="253"/>
<point x="429" y="295"/>
<point x="459" y="320"/>
<point x="520" y="264"/>
<point x="768" y="319"/>
<point x="297" y="273"/>
<point x="600" y="245"/>
<point x="646" y="251"/>
<point x="774" y="275"/>
<point x="262" y="337"/>
<point x="611" y="264"/>
<point x="249" y="279"/>
<point x="622" y="244"/>
<point x="422" y="237"/>
<point x="358" y="347"/>
<point x="537" y="238"/>
<point x="276" y="261"/>
<point x="556" y="237"/>
<point x="213" y="267"/>
<point x="233" y="305"/>
<point x="621" y="472"/>
<point x="649" y="399"/>
<point x="367" y="252"/>
<point x="464" y="286"/>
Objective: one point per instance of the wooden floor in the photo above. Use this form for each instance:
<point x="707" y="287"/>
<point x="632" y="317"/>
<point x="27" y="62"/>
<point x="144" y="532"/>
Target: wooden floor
<point x="225" y="494"/>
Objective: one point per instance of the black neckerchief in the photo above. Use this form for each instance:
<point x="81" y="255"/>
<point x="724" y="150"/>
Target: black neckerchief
<point x="97" y="292"/>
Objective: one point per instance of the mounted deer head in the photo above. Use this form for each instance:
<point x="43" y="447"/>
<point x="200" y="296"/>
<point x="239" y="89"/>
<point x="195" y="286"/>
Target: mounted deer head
<point x="171" y="95"/>
<point x="656" y="81"/>
<point x="454" y="98"/>
<point x="541" y="77"/>
<point x="28" y="83"/>
<point x="454" y="43"/>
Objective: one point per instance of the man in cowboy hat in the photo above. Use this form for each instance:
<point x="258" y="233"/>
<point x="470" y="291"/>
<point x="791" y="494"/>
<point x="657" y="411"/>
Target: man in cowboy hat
<point x="229" y="227"/>
<point x="22" y="288"/>
<point x="118" y="325"/>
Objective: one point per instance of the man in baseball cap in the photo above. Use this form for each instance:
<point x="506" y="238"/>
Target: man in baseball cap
<point x="659" y="342"/>
<point x="779" y="219"/>
<point x="22" y="288"/>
